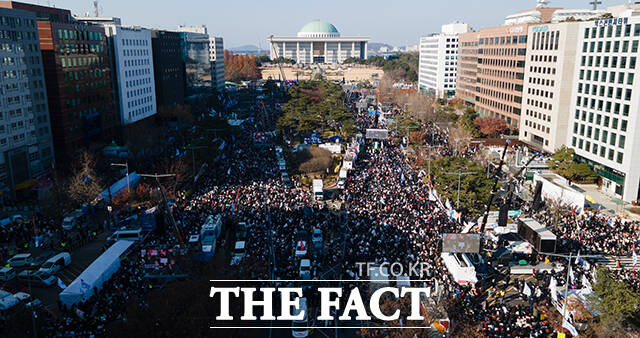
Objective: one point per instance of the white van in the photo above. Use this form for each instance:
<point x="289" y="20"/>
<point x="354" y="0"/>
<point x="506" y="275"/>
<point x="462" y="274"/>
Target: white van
<point x="74" y="220"/>
<point x="55" y="263"/>
<point x="305" y="269"/>
<point x="300" y="328"/>
<point x="20" y="260"/>
<point x="7" y="274"/>
<point x="126" y="235"/>
<point x="238" y="253"/>
<point x="318" y="190"/>
<point x="342" y="178"/>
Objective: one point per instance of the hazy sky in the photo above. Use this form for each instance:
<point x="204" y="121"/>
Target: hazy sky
<point x="241" y="22"/>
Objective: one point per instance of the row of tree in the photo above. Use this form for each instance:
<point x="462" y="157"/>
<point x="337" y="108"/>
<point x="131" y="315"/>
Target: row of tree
<point x="240" y="67"/>
<point x="316" y="106"/>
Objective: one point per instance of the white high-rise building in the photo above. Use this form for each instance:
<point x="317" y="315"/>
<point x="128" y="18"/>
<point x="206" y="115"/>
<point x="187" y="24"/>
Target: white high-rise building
<point x="604" y="125"/>
<point x="134" y="78"/>
<point x="439" y="60"/>
<point x="216" y="55"/>
<point x="548" y="82"/>
<point x="132" y="66"/>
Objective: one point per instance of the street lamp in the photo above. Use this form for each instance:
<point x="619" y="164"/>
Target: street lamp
<point x="460" y="174"/>
<point x="125" y="165"/>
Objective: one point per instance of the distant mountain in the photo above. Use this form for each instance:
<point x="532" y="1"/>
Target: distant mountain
<point x="245" y="48"/>
<point x="375" y="46"/>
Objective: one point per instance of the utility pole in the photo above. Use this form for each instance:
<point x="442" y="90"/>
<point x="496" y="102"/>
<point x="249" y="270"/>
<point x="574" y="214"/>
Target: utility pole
<point x="430" y="147"/>
<point x="193" y="157"/>
<point x="126" y="165"/>
<point x="595" y="4"/>
<point x="166" y="204"/>
<point x="460" y="174"/>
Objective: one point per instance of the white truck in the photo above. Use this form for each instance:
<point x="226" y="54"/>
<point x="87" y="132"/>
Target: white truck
<point x="342" y="178"/>
<point x="318" y="190"/>
<point x="209" y="233"/>
<point x="347" y="162"/>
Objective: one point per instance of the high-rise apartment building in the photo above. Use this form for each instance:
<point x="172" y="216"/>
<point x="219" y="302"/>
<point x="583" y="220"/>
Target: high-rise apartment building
<point x="604" y="125"/>
<point x="26" y="146"/>
<point x="439" y="60"/>
<point x="216" y="55"/>
<point x="548" y="84"/>
<point x="78" y="80"/>
<point x="168" y="68"/>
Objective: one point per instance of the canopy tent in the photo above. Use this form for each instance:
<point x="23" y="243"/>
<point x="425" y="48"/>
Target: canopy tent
<point x="120" y="185"/>
<point x="82" y="288"/>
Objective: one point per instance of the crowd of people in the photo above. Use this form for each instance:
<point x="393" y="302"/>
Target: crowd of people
<point x="386" y="215"/>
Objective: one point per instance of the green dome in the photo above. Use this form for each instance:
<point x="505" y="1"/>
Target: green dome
<point x="319" y="27"/>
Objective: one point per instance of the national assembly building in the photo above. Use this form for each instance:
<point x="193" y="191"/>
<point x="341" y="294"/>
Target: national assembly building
<point x="318" y="42"/>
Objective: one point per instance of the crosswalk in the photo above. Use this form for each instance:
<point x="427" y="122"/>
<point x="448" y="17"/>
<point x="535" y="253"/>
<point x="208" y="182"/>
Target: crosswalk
<point x="70" y="273"/>
<point x="611" y="261"/>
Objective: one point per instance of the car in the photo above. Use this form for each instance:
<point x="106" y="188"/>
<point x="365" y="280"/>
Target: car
<point x="300" y="328"/>
<point x="7" y="274"/>
<point x="20" y="260"/>
<point x="239" y="252"/>
<point x="301" y="248"/>
<point x="305" y="269"/>
<point x="34" y="304"/>
<point x="36" y="279"/>
<point x="241" y="232"/>
<point x="22" y="296"/>
<point x="36" y="262"/>
<point x="55" y="263"/>
<point x="316" y="237"/>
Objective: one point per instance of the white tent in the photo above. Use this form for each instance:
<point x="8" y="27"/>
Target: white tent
<point x="81" y="289"/>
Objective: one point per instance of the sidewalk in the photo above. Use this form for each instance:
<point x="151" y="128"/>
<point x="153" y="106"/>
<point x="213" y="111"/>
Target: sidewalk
<point x="608" y="203"/>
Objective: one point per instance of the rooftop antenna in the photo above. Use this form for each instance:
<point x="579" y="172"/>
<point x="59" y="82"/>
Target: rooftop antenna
<point x="542" y="3"/>
<point x="96" y="8"/>
<point x="595" y="4"/>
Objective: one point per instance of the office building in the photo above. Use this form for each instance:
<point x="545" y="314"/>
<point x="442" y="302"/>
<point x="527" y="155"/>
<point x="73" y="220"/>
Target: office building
<point x="496" y="90"/>
<point x="467" y="68"/>
<point x="132" y="64"/>
<point x="168" y="68"/>
<point x="133" y="72"/>
<point x="548" y="84"/>
<point x="439" y="60"/>
<point x="78" y="80"/>
<point x="318" y="42"/>
<point x="216" y="55"/>
<point x="194" y="45"/>
<point x="604" y="125"/>
<point x="26" y="145"/>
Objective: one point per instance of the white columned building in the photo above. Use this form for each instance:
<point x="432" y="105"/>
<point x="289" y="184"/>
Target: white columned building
<point x="318" y="42"/>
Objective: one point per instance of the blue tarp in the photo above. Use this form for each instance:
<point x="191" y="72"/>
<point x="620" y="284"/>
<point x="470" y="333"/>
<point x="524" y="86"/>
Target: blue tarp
<point x="120" y="185"/>
<point x="81" y="289"/>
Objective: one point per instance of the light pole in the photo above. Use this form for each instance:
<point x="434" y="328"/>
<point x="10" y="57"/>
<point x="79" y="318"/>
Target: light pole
<point x="430" y="147"/>
<point x="193" y="157"/>
<point x="166" y="204"/>
<point x="125" y="165"/>
<point x="460" y="174"/>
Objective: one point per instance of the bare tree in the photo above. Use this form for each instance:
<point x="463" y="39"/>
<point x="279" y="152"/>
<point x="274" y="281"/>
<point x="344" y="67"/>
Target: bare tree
<point x="459" y="139"/>
<point x="422" y="107"/>
<point x="84" y="185"/>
